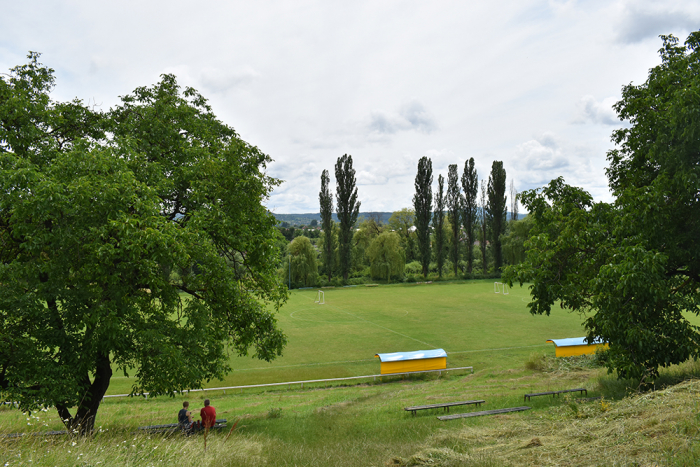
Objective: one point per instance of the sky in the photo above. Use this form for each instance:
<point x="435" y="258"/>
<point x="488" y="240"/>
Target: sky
<point x="529" y="83"/>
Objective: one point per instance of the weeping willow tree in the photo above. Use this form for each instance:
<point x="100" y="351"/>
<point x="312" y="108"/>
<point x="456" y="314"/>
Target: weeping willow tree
<point x="303" y="267"/>
<point x="386" y="257"/>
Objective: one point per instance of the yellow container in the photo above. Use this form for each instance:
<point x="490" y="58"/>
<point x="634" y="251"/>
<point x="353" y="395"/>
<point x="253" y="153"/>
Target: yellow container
<point x="413" y="365"/>
<point x="419" y="360"/>
<point x="575" y="346"/>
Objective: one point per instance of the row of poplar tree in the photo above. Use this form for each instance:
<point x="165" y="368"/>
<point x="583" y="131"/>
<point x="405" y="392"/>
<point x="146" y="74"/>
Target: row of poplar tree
<point x="441" y="230"/>
<point x="474" y="210"/>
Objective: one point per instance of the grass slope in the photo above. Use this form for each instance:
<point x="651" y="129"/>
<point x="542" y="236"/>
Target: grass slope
<point x="365" y="424"/>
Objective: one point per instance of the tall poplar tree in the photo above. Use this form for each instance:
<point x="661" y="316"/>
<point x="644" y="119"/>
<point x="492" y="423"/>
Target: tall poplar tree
<point x="483" y="226"/>
<point x="422" y="204"/>
<point x="325" y="199"/>
<point x="439" y="225"/>
<point x="513" y="201"/>
<point x="470" y="185"/>
<point x="496" y="209"/>
<point x="454" y="208"/>
<point x="348" y="208"/>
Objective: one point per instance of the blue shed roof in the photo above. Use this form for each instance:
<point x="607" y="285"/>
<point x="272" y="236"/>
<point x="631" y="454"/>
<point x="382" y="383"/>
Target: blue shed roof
<point x="417" y="355"/>
<point x="573" y="341"/>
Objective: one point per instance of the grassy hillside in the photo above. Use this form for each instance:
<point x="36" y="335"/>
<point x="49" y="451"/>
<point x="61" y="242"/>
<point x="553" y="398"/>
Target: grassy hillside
<point x="365" y="424"/>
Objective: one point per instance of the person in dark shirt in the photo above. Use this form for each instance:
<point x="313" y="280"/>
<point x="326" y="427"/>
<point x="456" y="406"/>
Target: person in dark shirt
<point x="208" y="414"/>
<point x="184" y="417"/>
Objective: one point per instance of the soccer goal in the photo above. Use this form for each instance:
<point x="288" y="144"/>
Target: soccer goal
<point x="320" y="298"/>
<point x="500" y="287"/>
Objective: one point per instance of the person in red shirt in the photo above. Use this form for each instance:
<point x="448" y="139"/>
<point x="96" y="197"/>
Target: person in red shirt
<point x="208" y="414"/>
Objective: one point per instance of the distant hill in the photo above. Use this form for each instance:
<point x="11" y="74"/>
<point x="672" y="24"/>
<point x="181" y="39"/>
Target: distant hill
<point x="306" y="218"/>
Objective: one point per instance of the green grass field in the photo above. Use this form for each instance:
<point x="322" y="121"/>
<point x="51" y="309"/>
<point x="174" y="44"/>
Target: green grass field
<point x="340" y="338"/>
<point x="364" y="424"/>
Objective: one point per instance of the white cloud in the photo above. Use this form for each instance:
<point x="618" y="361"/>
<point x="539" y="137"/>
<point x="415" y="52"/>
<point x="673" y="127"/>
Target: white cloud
<point x="221" y="81"/>
<point x="547" y="157"/>
<point x="386" y="82"/>
<point x="645" y="20"/>
<point x="411" y="116"/>
<point x="590" y="110"/>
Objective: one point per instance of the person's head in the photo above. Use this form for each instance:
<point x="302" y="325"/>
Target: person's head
<point x="185" y="404"/>
<point x="206" y="402"/>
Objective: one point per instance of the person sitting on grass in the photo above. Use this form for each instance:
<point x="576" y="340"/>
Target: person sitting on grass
<point x="184" y="417"/>
<point x="208" y="414"/>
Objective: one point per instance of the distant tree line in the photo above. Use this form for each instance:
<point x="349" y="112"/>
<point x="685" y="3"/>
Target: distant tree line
<point x="433" y="240"/>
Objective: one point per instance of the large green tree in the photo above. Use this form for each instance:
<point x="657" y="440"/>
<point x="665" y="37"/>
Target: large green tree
<point x="386" y="257"/>
<point x="439" y="225"/>
<point x="401" y="222"/>
<point x="496" y="210"/>
<point x="631" y="267"/>
<point x="513" y="241"/>
<point x="470" y="185"/>
<point x="454" y="211"/>
<point x="422" y="205"/>
<point x="302" y="257"/>
<point x="101" y="236"/>
<point x="366" y="231"/>
<point x="348" y="208"/>
<point x="325" y="199"/>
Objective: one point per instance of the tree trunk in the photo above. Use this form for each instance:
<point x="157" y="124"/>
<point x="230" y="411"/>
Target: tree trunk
<point x="83" y="422"/>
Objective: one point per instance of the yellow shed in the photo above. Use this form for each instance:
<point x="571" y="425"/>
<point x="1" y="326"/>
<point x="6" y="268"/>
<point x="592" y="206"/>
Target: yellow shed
<point x="576" y="346"/>
<point x="404" y="362"/>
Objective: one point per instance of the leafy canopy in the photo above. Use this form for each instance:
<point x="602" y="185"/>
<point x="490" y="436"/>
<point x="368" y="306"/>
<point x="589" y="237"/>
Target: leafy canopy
<point x="631" y="267"/>
<point x="134" y="239"/>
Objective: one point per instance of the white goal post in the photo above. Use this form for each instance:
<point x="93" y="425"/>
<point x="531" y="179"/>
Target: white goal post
<point x="500" y="287"/>
<point x="320" y="298"/>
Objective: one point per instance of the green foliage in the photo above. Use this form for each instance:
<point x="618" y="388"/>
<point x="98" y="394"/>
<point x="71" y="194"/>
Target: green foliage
<point x="414" y="267"/>
<point x="483" y="228"/>
<point x="633" y="267"/>
<point x="470" y="185"/>
<point x="329" y="264"/>
<point x="513" y="241"/>
<point x="92" y="228"/>
<point x="401" y="222"/>
<point x="386" y="257"/>
<point x="326" y="201"/>
<point x="496" y="209"/>
<point x="348" y="208"/>
<point x="439" y="225"/>
<point x="422" y="205"/>
<point x="454" y="209"/>
<point x="303" y="261"/>
<point x="367" y="231"/>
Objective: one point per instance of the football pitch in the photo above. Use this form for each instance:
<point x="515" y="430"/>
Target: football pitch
<point x="475" y="326"/>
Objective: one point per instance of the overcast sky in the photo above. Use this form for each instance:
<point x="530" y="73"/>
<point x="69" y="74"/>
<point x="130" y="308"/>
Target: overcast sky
<point x="529" y="83"/>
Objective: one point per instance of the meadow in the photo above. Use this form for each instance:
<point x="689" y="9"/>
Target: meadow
<point x="364" y="424"/>
<point x="340" y="338"/>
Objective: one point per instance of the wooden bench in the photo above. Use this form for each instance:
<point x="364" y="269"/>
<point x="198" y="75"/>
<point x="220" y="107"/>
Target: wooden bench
<point x="554" y="393"/>
<point x="174" y="427"/>
<point x="446" y="406"/>
<point x="484" y="412"/>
